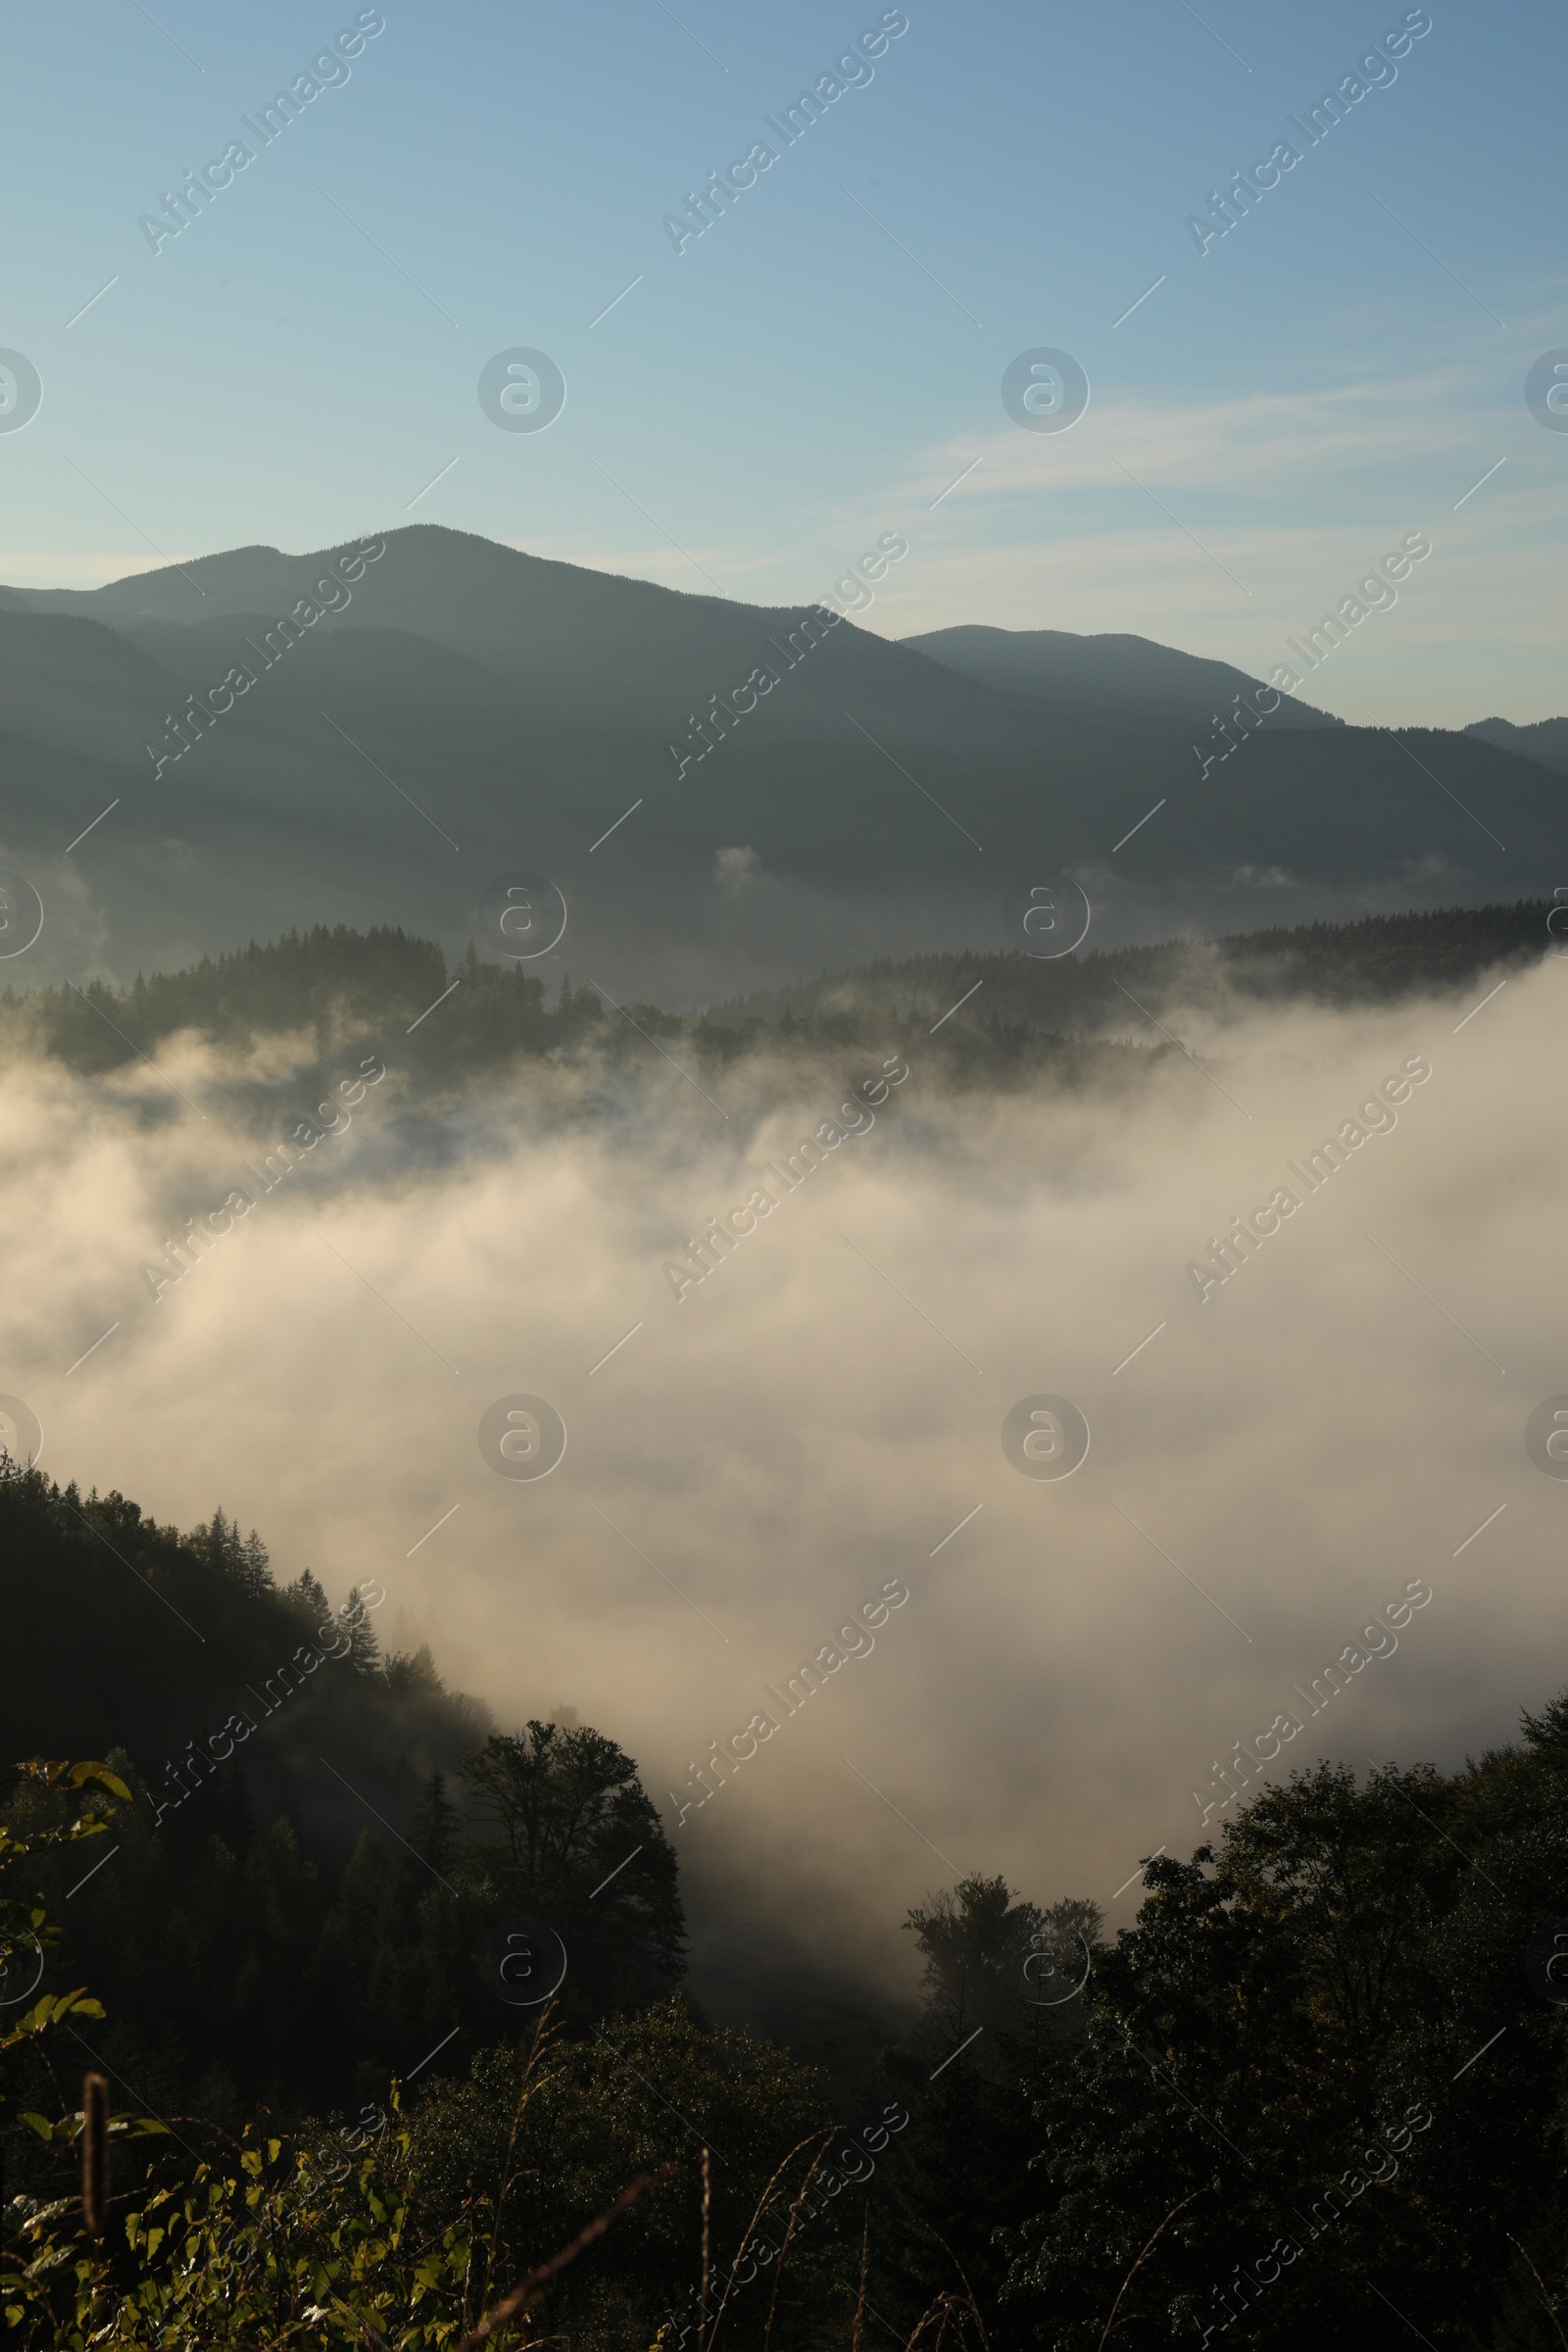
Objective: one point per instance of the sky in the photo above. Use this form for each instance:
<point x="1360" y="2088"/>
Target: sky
<point x="749" y="407"/>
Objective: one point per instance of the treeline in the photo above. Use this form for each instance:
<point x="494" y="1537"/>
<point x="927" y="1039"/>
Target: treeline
<point x="1313" y="2096"/>
<point x="1376" y="960"/>
<point x="347" y="992"/>
<point x="260" y="1934"/>
<point x="1316" y="2094"/>
<point x="340" y="988"/>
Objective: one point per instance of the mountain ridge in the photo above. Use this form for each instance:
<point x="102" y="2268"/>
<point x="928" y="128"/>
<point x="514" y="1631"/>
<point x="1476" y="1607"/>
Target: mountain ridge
<point x="724" y="792"/>
<point x="1149" y="681"/>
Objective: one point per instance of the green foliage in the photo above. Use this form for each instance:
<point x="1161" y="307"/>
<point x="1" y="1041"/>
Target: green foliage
<point x="406" y="2239"/>
<point x="558" y="2128"/>
<point x="44" y="1820"/>
<point x="274" y="2248"/>
<point x="1310" y="2095"/>
<point x="574" y="1838"/>
<point x="1313" y="2096"/>
<point x="1277" y="2123"/>
<point x="1001" y="1963"/>
<point x="241" y="1960"/>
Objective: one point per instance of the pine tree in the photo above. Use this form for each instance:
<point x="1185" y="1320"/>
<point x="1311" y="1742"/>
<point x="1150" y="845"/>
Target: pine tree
<point x="365" y="1650"/>
<point x="308" y="1594"/>
<point x="255" y="1572"/>
<point x="436" y="1826"/>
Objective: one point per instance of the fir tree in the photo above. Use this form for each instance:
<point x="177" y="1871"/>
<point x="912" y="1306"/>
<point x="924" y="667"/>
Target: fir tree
<point x="436" y="1825"/>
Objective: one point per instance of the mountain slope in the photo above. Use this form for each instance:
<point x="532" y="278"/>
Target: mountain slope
<point x="469" y="712"/>
<point x="1543" y="739"/>
<point x="1129" y="680"/>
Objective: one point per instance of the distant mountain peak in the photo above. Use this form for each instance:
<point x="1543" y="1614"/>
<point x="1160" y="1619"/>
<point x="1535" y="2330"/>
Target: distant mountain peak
<point x="1544" y="740"/>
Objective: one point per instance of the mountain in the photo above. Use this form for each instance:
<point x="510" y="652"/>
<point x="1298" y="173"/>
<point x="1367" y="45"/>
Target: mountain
<point x="1543" y="739"/>
<point x="727" y="795"/>
<point x="1121" y="680"/>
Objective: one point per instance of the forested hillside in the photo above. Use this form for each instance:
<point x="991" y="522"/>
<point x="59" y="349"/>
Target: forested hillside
<point x="323" y="1832"/>
<point x="1314" y="2095"/>
<point x="259" y="739"/>
<point x="343" y="991"/>
<point x="1379" y="959"/>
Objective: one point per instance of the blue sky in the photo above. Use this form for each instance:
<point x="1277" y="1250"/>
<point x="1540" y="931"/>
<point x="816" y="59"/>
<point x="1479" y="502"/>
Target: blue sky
<point x="1338" y="370"/>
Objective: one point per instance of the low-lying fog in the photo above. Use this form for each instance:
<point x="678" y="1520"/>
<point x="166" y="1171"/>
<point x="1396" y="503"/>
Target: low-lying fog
<point x="758" y="1470"/>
